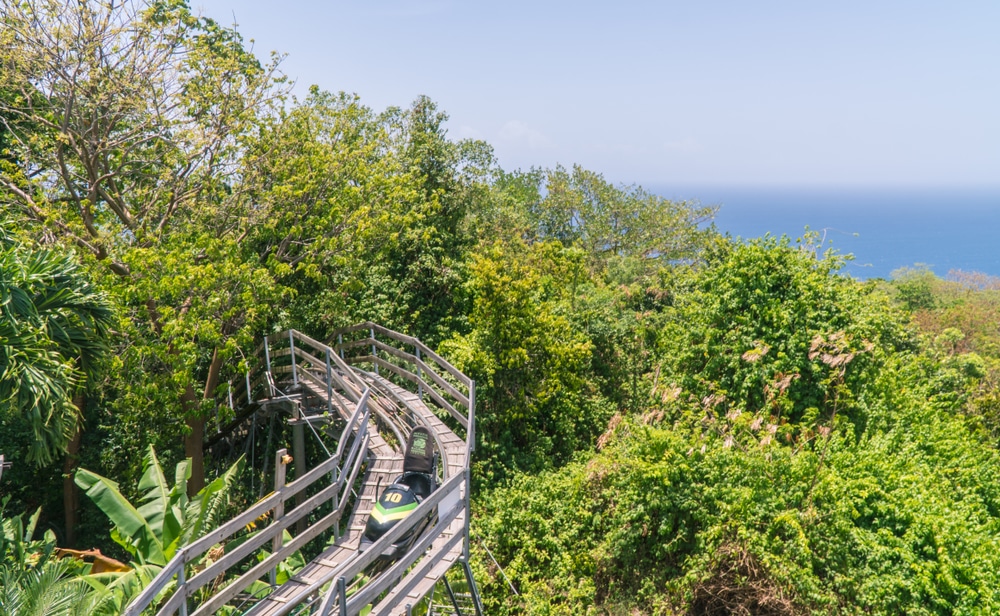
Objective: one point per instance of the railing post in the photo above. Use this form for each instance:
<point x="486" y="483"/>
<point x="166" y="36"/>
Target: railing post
<point x="468" y="511"/>
<point x="420" y="387"/>
<point x="280" y="466"/>
<point x="340" y="343"/>
<point x="371" y="332"/>
<point x="249" y="393"/>
<point x="470" y="433"/>
<point x="267" y="366"/>
<point x="291" y="348"/>
<point x="329" y="383"/>
<point x="181" y="582"/>
<point x="342" y="595"/>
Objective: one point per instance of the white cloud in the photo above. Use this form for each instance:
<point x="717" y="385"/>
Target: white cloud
<point x="518" y="132"/>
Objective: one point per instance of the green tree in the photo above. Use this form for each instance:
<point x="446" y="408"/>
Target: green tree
<point x="53" y="332"/>
<point x="329" y="198"/>
<point x="414" y="271"/>
<point x="619" y="221"/>
<point x="126" y="121"/>
<point x="536" y="404"/>
<point x="53" y="325"/>
<point x="914" y="287"/>
<point x="753" y="332"/>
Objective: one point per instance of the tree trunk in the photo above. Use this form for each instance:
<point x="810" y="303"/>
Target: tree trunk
<point x="194" y="440"/>
<point x="71" y="495"/>
<point x="194" y="451"/>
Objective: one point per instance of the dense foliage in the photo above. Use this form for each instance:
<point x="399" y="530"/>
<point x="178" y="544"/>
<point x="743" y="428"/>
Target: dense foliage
<point x="851" y="493"/>
<point x="669" y="421"/>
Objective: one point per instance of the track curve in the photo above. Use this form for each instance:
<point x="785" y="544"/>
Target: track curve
<point x="406" y="384"/>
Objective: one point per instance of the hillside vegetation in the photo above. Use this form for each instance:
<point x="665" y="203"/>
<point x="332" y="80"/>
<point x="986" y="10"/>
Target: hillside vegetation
<point x="670" y="421"/>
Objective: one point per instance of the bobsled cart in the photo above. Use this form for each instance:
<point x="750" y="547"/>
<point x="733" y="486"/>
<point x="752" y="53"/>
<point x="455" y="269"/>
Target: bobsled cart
<point x="402" y="496"/>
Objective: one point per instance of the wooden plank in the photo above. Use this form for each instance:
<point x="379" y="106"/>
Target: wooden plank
<point x="416" y="578"/>
<point x="370" y="591"/>
<point x="346" y="548"/>
<point x="338" y="400"/>
<point x="355" y="565"/>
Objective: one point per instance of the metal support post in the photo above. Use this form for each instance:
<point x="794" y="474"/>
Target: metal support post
<point x="291" y="352"/>
<point x="340" y="343"/>
<point x="476" y="601"/>
<point x="299" y="454"/>
<point x="451" y="594"/>
<point x="468" y="512"/>
<point x="371" y="331"/>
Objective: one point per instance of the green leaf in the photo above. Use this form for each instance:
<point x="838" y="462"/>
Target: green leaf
<point x="145" y="545"/>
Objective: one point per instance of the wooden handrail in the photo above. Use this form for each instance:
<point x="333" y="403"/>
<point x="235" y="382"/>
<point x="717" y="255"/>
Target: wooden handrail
<point x="438" y="379"/>
<point x="407" y="340"/>
<point x="284" y="493"/>
<point x="406" y="375"/>
<point x="248" y="578"/>
<point x="351" y="568"/>
<point x="401" y="588"/>
<point x="321" y="370"/>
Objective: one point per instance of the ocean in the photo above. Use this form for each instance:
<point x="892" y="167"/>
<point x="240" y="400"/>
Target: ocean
<point x="884" y="228"/>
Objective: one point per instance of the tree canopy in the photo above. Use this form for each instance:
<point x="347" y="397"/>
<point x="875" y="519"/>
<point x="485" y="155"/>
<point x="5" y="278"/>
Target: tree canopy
<point x="670" y="421"/>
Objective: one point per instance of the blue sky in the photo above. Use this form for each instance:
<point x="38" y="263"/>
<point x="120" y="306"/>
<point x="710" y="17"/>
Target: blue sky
<point x="722" y="93"/>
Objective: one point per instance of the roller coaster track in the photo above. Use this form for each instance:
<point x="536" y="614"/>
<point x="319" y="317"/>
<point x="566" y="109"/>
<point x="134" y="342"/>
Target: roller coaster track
<point x="375" y="385"/>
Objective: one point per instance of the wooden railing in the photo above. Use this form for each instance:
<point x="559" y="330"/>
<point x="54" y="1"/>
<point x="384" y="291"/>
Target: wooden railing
<point x="435" y="380"/>
<point x="332" y="375"/>
<point x="416" y="367"/>
<point x="345" y="464"/>
<point x="447" y="501"/>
